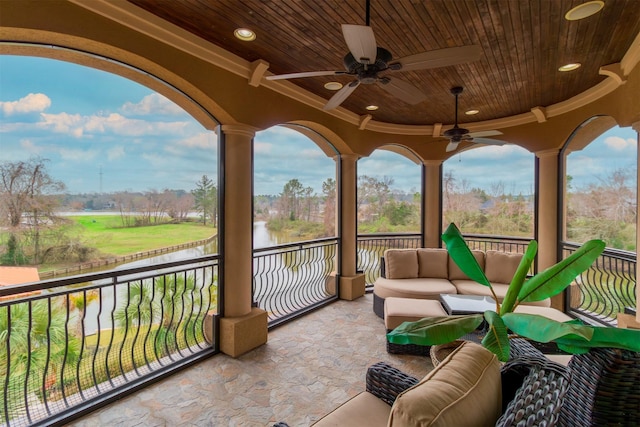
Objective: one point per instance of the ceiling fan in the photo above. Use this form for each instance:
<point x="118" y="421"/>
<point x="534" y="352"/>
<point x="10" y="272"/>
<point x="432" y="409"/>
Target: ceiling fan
<point x="366" y="61"/>
<point x="456" y="134"/>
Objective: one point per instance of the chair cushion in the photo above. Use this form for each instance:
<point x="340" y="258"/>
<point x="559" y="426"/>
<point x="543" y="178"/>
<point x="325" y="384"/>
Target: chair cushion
<point x="465" y="389"/>
<point x="454" y="271"/>
<point x="433" y="262"/>
<point x="401" y="263"/>
<point x="364" y="409"/>
<point x="500" y="267"/>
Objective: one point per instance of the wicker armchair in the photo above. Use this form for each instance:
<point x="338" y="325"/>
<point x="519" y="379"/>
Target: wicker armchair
<point x="604" y="386"/>
<point x="533" y="389"/>
<point x="604" y="389"/>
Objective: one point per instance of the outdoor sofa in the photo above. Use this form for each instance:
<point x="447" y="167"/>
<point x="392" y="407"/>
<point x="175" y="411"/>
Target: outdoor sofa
<point x="426" y="273"/>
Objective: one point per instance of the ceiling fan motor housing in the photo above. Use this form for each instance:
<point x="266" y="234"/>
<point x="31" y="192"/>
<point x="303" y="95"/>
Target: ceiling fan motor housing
<point x="367" y="73"/>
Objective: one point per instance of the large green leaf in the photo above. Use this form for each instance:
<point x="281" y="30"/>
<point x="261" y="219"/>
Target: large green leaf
<point x="496" y="340"/>
<point x="434" y="330"/>
<point x="462" y="256"/>
<point x="627" y="339"/>
<point x="556" y="278"/>
<point x="543" y="329"/>
<point x="518" y="278"/>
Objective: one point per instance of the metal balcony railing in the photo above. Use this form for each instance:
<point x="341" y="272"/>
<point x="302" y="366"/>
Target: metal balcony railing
<point x="487" y="242"/>
<point x="69" y="345"/>
<point x="372" y="246"/>
<point x="289" y="280"/>
<point x="605" y="289"/>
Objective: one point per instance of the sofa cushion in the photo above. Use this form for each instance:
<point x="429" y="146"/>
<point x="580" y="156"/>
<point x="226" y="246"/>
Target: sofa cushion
<point x="401" y="263"/>
<point x="433" y="262"/>
<point x="465" y="389"/>
<point x="400" y="310"/>
<point x="412" y="288"/>
<point x="469" y="287"/>
<point x="500" y="267"/>
<point x="454" y="271"/>
<point x="362" y="410"/>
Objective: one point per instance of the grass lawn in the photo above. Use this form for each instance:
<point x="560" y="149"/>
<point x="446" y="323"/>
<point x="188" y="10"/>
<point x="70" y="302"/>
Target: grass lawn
<point x="103" y="233"/>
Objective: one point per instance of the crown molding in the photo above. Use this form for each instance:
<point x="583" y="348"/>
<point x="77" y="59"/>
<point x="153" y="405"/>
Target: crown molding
<point x="146" y="23"/>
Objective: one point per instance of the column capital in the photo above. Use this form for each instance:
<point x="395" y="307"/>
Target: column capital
<point x="436" y="163"/>
<point x="240" y="129"/>
<point x="350" y="156"/>
<point x="547" y="153"/>
<point x="636" y="126"/>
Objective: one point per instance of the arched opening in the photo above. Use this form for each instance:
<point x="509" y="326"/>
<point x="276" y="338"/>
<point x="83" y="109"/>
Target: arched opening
<point x="295" y="232"/>
<point x="489" y="190"/>
<point x="599" y="189"/>
<point x="104" y="177"/>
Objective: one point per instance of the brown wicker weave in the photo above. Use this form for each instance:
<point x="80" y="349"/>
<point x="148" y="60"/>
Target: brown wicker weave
<point x="539" y="399"/>
<point x="386" y="382"/>
<point x="605" y="389"/>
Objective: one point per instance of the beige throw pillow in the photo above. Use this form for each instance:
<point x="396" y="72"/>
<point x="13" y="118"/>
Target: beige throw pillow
<point x="464" y="390"/>
<point x="432" y="262"/>
<point x="401" y="263"/>
<point x="501" y="266"/>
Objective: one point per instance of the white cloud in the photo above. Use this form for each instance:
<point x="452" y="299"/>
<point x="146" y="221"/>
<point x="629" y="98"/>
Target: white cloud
<point x="77" y="125"/>
<point x="156" y="160"/>
<point x="34" y="102"/>
<point x="200" y="140"/>
<point x="115" y="153"/>
<point x="152" y="104"/>
<point x="262" y="147"/>
<point x="62" y="123"/>
<point x="30" y="146"/>
<point x="619" y="144"/>
<point x="77" y="155"/>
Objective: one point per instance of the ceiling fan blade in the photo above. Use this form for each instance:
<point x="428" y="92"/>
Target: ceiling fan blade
<point x="439" y="58"/>
<point x="341" y="95"/>
<point x="304" y="74"/>
<point x="403" y="90"/>
<point x="485" y="133"/>
<point x="451" y="146"/>
<point x="361" y="42"/>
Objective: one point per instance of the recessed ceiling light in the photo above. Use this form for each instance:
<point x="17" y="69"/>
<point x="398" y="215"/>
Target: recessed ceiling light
<point x="244" y="34"/>
<point x="584" y="10"/>
<point x="333" y="85"/>
<point x="570" y="67"/>
<point x="471" y="112"/>
<point x="372" y="107"/>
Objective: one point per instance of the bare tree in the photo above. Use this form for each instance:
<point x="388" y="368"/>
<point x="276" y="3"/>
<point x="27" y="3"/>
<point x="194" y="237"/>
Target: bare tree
<point x="26" y="196"/>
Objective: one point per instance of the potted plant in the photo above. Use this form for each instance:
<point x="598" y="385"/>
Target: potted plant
<point x="573" y="337"/>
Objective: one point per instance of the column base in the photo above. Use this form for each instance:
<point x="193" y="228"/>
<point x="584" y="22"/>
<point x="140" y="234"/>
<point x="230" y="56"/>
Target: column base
<point x="239" y="335"/>
<point x="352" y="287"/>
<point x="628" y="321"/>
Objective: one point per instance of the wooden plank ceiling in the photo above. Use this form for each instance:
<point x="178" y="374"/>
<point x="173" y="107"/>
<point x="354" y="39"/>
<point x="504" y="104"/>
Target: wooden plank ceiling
<point x="523" y="42"/>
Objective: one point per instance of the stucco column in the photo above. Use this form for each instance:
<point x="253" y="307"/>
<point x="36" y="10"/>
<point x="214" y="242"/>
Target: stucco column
<point x="242" y="327"/>
<point x="628" y="320"/>
<point x="636" y="127"/>
<point x="548" y="211"/>
<point x="352" y="284"/>
<point x="432" y="204"/>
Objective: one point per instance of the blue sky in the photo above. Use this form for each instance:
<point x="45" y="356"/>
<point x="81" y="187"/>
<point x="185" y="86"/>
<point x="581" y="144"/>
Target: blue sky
<point x="88" y="122"/>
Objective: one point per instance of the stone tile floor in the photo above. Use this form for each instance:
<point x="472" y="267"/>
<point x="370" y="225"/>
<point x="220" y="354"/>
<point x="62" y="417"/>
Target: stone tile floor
<point x="308" y="367"/>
